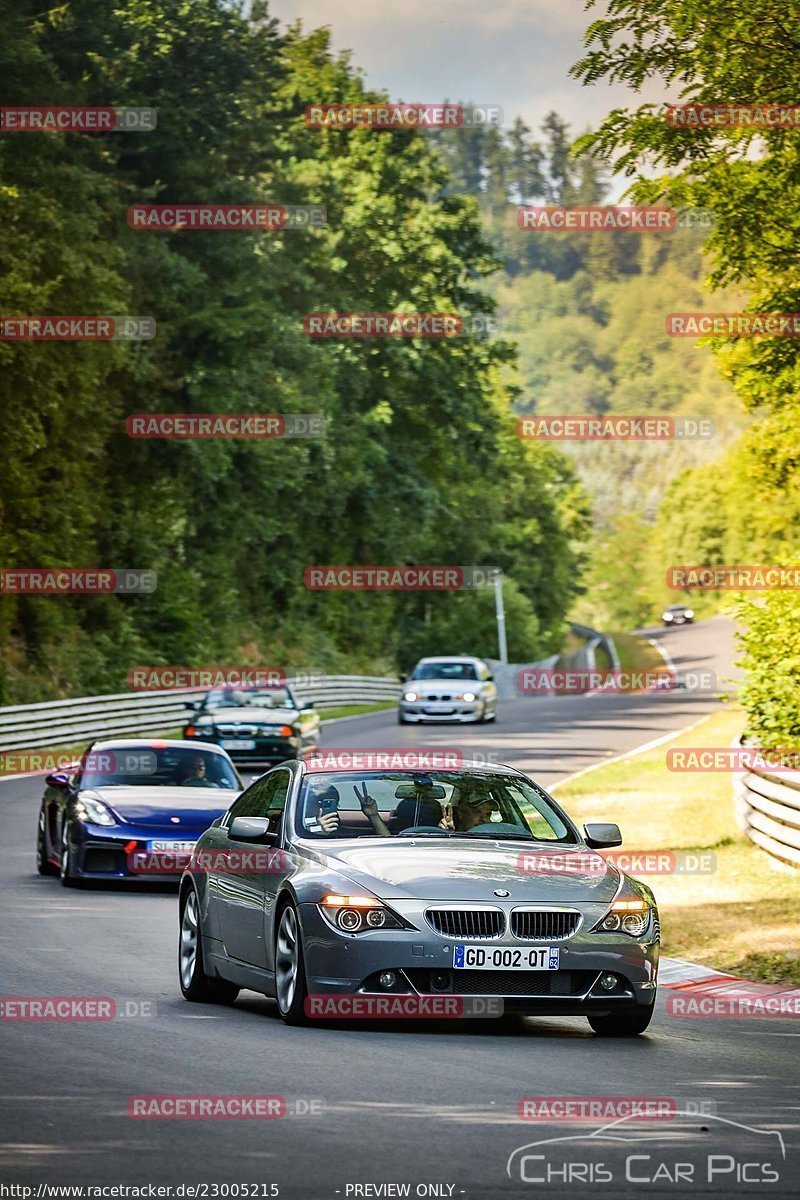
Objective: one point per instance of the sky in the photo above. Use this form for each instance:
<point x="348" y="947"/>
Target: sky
<point x="513" y="53"/>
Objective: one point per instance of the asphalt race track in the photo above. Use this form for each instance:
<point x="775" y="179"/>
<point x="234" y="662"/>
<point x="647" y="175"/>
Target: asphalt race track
<point x="419" y="1103"/>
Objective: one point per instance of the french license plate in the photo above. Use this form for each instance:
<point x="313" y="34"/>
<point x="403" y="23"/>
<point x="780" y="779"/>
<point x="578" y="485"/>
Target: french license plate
<point x="504" y="958"/>
<point x="239" y="744"/>
<point x="163" y="846"/>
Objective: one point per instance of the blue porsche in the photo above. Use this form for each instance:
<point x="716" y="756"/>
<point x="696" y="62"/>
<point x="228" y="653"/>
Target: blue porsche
<point x="132" y="809"/>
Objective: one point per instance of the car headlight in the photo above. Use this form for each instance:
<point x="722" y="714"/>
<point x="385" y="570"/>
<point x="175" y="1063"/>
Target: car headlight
<point x="666" y="616"/>
<point x="93" y="811"/>
<point x="411" y="696"/>
<point x="357" y="914"/>
<point x="469" y="696"/>
<point x="626" y="916"/>
<point x="689" y="613"/>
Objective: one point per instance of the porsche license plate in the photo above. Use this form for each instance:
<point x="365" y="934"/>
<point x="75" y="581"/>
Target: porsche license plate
<point x="163" y="846"/>
<point x="505" y="958"/>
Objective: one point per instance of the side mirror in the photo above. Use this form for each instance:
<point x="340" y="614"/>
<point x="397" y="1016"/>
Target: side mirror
<point x="601" y="835"/>
<point x="309" y="704"/>
<point x="490" y="678"/>
<point x="193" y="705"/>
<point x="59" y="779"/>
<point x="252" y="829"/>
<point x="403" y="678"/>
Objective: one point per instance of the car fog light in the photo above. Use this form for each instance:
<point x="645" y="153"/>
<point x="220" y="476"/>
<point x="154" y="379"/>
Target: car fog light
<point x="440" y="981"/>
<point x="634" y="924"/>
<point x="349" y="919"/>
<point x="387" y="980"/>
<point x="376" y="917"/>
<point x="612" y="921"/>
<point x="608" y="982"/>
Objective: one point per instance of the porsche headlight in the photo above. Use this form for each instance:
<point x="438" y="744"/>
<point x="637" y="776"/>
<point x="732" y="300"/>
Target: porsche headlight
<point x="93" y="811"/>
<point x="357" y="914"/>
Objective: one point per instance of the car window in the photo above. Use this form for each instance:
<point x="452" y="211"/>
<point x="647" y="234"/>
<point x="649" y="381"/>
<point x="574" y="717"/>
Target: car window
<point x="264" y="798"/>
<point x="156" y="765"/>
<point x="461" y="804"/>
<point x="445" y="670"/>
<point x="277" y="799"/>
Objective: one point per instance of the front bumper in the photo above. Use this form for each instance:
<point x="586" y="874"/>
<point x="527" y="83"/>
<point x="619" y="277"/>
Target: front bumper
<point x="423" y="964"/>
<point x="463" y="711"/>
<point x="103" y="854"/>
<point x="265" y="751"/>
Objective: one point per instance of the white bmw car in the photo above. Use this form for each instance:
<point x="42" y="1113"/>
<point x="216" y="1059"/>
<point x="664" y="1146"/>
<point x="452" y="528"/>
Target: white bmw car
<point x="451" y="688"/>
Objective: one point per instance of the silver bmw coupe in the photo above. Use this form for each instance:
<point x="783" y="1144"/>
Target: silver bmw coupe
<point x="362" y="886"/>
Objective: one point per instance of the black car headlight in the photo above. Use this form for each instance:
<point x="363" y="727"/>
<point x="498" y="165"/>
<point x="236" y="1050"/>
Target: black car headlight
<point x="357" y="914"/>
<point x="93" y="811"/>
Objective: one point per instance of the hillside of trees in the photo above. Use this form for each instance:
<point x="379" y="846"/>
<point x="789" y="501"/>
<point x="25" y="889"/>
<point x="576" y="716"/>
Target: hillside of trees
<point x="421" y="463"/>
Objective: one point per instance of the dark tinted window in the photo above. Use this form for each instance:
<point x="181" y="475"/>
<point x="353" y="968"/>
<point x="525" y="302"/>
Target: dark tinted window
<point x="264" y="798"/>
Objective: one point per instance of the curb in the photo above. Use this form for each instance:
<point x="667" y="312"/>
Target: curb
<point x="680" y="975"/>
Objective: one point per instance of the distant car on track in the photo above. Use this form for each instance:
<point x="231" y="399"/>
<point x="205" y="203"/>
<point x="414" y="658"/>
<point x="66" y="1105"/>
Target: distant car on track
<point x="677" y="614"/>
<point x="408" y="883"/>
<point x="449" y="688"/>
<point x="260" y="726"/>
<point x="132" y="803"/>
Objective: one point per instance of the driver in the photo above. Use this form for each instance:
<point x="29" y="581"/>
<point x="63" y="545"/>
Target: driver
<point x="196" y="776"/>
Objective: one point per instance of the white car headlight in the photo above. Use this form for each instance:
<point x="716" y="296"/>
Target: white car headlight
<point x="93" y="811"/>
<point x="469" y="696"/>
<point x="411" y="696"/>
<point x="690" y="613"/>
<point x="666" y="616"/>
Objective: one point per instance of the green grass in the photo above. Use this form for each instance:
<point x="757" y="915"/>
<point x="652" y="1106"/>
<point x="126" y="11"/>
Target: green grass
<point x="636" y="654"/>
<point x="745" y="916"/>
<point x="355" y="710"/>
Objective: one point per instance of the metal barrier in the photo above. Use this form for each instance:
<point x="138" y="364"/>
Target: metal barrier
<point x="767" y="808"/>
<point x="70" y="722"/>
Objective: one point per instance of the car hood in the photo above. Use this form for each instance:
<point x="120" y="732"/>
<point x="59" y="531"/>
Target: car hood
<point x="194" y="808"/>
<point x="251" y="716"/>
<point x="451" y="869"/>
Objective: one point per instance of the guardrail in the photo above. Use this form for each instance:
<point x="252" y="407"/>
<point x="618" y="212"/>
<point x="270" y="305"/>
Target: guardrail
<point x="767" y="808"/>
<point x="69" y="722"/>
<point x="595" y="638"/>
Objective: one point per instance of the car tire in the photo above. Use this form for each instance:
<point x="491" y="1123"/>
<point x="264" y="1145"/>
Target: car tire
<point x="401" y="719"/>
<point x="195" y="984"/>
<point x="43" y="864"/>
<point x="68" y="879"/>
<point x="290" y="972"/>
<point x="624" y="1024"/>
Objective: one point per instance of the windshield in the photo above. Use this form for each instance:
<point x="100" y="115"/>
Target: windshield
<point x="445" y="670"/>
<point x="157" y="766"/>
<point x="249" y="698"/>
<point x="340" y="804"/>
